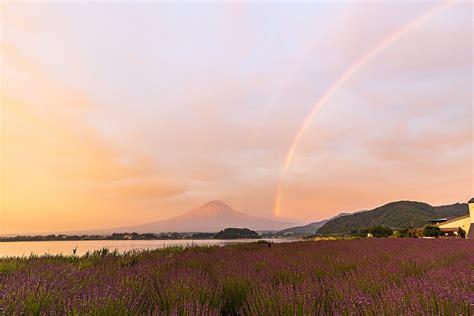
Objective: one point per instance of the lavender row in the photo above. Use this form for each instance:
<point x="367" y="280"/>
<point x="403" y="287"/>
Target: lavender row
<point x="376" y="276"/>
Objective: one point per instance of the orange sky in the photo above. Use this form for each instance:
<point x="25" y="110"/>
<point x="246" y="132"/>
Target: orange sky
<point x="105" y="124"/>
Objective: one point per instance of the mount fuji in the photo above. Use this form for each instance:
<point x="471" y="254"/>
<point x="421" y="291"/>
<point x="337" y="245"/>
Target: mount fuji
<point x="211" y="217"/>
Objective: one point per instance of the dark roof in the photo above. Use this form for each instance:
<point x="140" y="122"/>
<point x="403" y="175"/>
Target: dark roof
<point x="437" y="220"/>
<point x="471" y="200"/>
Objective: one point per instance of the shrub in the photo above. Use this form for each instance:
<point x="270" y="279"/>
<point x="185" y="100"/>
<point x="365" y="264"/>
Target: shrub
<point x="381" y="231"/>
<point x="407" y="233"/>
<point x="461" y="232"/>
<point x="432" y="231"/>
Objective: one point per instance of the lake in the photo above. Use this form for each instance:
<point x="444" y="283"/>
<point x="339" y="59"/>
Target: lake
<point x="25" y="248"/>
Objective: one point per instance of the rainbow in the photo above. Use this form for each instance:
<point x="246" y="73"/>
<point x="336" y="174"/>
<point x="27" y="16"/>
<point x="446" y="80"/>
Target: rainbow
<point x="339" y="82"/>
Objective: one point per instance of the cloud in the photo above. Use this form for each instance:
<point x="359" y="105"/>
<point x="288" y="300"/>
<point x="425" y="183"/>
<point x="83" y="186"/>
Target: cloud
<point x="107" y="124"/>
<point x="150" y="189"/>
<point x="55" y="164"/>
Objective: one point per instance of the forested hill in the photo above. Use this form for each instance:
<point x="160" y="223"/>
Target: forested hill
<point x="395" y="215"/>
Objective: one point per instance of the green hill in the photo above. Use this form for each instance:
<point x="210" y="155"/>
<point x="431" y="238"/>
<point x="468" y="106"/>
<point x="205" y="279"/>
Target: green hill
<point x="299" y="231"/>
<point x="305" y="230"/>
<point x="395" y="215"/>
<point x="236" y="233"/>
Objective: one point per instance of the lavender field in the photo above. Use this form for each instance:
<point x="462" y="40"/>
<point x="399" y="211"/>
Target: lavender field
<point x="376" y="276"/>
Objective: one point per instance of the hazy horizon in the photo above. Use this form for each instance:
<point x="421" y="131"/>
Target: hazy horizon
<point x="119" y="114"/>
<point x="225" y="223"/>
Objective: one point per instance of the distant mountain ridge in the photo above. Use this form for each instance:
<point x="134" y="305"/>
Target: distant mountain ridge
<point x="216" y="215"/>
<point x="395" y="215"/>
<point x="305" y="230"/>
<point x="210" y="217"/>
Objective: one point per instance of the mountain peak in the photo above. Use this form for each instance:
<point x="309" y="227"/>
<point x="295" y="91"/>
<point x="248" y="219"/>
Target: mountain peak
<point x="213" y="208"/>
<point x="210" y="217"/>
<point x="216" y="203"/>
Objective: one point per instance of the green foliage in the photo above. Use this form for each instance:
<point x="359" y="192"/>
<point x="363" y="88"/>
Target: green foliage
<point x="32" y="306"/>
<point x="397" y="215"/>
<point x="10" y="265"/>
<point x="128" y="261"/>
<point x="234" y="294"/>
<point x="261" y="266"/>
<point x="381" y="231"/>
<point x="101" y="252"/>
<point x="360" y="233"/>
<point x="412" y="269"/>
<point x="376" y="231"/>
<point x="407" y="233"/>
<point x="236" y="233"/>
<point x="286" y="277"/>
<point x="432" y="231"/>
<point x="461" y="232"/>
<point x="344" y="269"/>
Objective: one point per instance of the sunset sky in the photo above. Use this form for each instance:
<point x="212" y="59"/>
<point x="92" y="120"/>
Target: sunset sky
<point x="123" y="113"/>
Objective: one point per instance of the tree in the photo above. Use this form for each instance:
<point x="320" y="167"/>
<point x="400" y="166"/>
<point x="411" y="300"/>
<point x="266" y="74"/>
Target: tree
<point x="381" y="231"/>
<point x="236" y="233"/>
<point x="360" y="233"/>
<point x="432" y="231"/>
<point x="407" y="232"/>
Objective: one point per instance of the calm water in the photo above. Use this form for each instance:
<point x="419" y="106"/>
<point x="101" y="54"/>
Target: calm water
<point x="25" y="248"/>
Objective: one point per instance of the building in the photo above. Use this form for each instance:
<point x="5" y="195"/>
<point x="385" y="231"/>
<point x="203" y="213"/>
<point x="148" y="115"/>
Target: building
<point x="465" y="222"/>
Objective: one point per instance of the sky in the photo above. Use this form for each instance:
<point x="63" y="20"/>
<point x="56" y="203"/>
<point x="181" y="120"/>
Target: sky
<point x="122" y="113"/>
